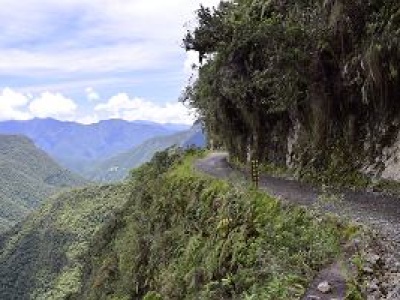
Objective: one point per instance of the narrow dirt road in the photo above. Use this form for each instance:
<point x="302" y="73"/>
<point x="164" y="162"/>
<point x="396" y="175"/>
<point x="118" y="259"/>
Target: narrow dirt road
<point x="376" y="211"/>
<point x="381" y="212"/>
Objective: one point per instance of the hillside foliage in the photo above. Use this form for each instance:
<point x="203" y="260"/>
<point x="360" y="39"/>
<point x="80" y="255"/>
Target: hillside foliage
<point x="44" y="257"/>
<point x="167" y="233"/>
<point x="311" y="83"/>
<point x="27" y="177"/>
<point x="183" y="235"/>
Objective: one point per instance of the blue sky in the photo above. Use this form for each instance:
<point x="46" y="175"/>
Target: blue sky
<point x="87" y="60"/>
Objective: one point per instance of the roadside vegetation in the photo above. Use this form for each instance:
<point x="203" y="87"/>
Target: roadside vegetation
<point x="183" y="235"/>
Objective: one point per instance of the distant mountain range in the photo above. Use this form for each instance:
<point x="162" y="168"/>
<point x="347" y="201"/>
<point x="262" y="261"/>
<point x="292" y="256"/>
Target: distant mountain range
<point x="77" y="146"/>
<point x="118" y="167"/>
<point x="27" y="177"/>
<point x="41" y="256"/>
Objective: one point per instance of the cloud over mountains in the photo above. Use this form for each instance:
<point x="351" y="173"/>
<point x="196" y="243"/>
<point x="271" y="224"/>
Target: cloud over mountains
<point x="19" y="106"/>
<point x="69" y="58"/>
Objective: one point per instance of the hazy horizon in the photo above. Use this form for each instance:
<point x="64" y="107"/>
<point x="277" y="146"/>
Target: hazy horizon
<point x="101" y="121"/>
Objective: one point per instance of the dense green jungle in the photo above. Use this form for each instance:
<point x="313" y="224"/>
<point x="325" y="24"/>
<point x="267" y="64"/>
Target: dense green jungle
<point x="310" y="87"/>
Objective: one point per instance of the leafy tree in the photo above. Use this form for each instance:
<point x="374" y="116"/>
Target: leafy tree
<point x="322" y="72"/>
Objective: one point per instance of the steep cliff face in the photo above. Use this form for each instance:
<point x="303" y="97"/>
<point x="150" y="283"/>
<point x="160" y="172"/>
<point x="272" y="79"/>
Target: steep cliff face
<point x="387" y="164"/>
<point x="349" y="120"/>
<point x="314" y="86"/>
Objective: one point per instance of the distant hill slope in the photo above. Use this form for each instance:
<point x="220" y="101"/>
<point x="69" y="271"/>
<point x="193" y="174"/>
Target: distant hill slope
<point x="77" y="146"/>
<point x="118" y="167"/>
<point x="27" y="176"/>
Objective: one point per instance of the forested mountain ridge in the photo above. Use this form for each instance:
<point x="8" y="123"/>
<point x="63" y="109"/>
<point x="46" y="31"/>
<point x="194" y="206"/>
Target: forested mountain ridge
<point x="312" y="85"/>
<point x="77" y="146"/>
<point x="27" y="176"/>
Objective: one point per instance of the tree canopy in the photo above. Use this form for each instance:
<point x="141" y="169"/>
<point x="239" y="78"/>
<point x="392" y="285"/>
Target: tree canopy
<point x="316" y="73"/>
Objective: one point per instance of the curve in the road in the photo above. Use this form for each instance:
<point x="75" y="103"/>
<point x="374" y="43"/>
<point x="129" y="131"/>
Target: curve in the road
<point x="381" y="212"/>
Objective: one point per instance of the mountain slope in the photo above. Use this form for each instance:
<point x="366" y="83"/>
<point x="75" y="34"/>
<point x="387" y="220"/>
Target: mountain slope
<point x="118" y="167"/>
<point x="41" y="257"/>
<point x="27" y="176"/>
<point x="77" y="146"/>
<point x="170" y="233"/>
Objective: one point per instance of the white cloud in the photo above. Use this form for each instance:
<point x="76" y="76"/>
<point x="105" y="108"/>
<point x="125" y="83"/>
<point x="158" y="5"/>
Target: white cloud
<point x="23" y="106"/>
<point x="67" y="62"/>
<point x="118" y="104"/>
<point x="123" y="107"/>
<point x="77" y="85"/>
<point x="192" y="60"/>
<point x="91" y="94"/>
<point x="90" y="119"/>
<point x="83" y="47"/>
<point x="70" y="37"/>
<point x="12" y="105"/>
<point x="53" y="105"/>
<point x="12" y="98"/>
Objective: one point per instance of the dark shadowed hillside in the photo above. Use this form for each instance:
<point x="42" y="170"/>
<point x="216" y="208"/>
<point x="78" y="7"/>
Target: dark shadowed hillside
<point x="27" y="176"/>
